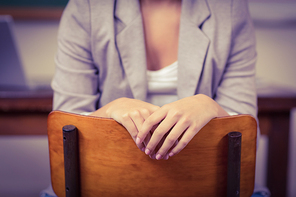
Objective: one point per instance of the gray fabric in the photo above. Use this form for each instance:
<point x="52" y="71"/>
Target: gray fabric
<point x="101" y="54"/>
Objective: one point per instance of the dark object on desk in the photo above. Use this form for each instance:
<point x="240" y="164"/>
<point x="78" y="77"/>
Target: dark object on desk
<point x="112" y="165"/>
<point x="13" y="83"/>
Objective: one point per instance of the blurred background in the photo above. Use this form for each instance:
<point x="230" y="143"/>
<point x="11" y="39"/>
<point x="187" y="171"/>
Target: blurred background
<point x="24" y="162"/>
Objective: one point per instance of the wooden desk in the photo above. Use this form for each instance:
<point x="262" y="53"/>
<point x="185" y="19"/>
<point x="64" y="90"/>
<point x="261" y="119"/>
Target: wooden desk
<point x="274" y="121"/>
<point x="28" y="116"/>
<point x="25" y="115"/>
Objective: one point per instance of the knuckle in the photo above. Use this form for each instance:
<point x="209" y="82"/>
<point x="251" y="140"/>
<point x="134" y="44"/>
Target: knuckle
<point x="125" y="117"/>
<point x="171" y="139"/>
<point x="159" y="134"/>
<point x="185" y="121"/>
<point x="194" y="127"/>
<point x="176" y="114"/>
<point x="145" y="112"/>
<point x="183" y="143"/>
<point x="134" y="113"/>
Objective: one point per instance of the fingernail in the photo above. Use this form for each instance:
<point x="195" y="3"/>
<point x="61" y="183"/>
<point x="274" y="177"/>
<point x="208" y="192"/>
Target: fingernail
<point x="138" y="140"/>
<point x="171" y="154"/>
<point x="158" y="156"/>
<point x="166" y="157"/>
<point x="147" y="151"/>
<point x="143" y="149"/>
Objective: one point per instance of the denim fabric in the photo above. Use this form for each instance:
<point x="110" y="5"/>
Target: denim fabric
<point x="261" y="194"/>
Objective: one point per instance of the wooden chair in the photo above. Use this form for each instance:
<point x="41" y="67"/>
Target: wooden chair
<point x="109" y="163"/>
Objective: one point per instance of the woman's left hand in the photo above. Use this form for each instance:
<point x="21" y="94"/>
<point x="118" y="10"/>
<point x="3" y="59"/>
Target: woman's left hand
<point x="180" y="121"/>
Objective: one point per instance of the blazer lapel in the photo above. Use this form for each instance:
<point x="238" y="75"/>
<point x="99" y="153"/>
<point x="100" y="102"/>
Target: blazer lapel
<point x="193" y="46"/>
<point x="131" y="45"/>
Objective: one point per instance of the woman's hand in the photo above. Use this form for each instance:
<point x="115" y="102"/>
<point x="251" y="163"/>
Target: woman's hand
<point x="131" y="113"/>
<point x="180" y="120"/>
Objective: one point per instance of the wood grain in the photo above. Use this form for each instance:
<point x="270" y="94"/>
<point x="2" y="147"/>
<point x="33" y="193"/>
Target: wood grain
<point x="112" y="165"/>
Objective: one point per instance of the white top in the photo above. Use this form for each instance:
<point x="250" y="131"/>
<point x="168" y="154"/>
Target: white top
<point x="162" y="85"/>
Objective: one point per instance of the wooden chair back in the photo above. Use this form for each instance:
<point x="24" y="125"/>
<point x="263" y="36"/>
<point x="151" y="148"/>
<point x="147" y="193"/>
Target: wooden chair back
<point x="112" y="165"/>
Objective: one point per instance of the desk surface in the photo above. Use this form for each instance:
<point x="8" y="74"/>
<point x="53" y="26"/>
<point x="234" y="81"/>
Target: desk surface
<point x="41" y="102"/>
<point x="26" y="101"/>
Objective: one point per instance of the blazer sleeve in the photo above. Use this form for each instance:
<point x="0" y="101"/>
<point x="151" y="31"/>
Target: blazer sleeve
<point x="75" y="82"/>
<point x="237" y="90"/>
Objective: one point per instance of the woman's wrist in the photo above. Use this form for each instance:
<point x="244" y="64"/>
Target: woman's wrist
<point x="216" y="109"/>
<point x="106" y="110"/>
<point x="101" y="112"/>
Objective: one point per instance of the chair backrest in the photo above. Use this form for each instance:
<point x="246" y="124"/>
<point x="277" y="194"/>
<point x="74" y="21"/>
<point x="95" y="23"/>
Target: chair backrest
<point x="112" y="165"/>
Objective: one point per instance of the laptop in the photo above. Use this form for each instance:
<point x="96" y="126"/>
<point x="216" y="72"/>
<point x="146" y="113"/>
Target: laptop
<point x="12" y="76"/>
<point x="13" y="82"/>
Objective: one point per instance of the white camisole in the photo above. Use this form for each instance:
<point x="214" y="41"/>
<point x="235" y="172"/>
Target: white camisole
<point x="162" y="85"/>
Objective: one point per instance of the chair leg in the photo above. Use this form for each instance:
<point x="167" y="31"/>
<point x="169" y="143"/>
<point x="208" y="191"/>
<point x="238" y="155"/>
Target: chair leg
<point x="234" y="164"/>
<point x="71" y="161"/>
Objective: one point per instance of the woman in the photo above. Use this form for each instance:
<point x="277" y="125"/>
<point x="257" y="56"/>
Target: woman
<point x="164" y="65"/>
<point x="106" y="48"/>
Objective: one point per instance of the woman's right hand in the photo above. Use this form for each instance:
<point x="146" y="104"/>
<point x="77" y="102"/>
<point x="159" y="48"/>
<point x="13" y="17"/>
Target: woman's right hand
<point x="131" y="113"/>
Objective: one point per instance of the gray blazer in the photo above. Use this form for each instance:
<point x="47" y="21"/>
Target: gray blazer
<point x="101" y="54"/>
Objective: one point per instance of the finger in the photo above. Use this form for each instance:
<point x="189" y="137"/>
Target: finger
<point x="153" y="108"/>
<point x="164" y="127"/>
<point x="147" y="139"/>
<point x="148" y="136"/>
<point x="130" y="126"/>
<point x="145" y="142"/>
<point x="145" y="113"/>
<point x="171" y="139"/>
<point x="152" y="120"/>
<point x="187" y="137"/>
<point x="166" y="156"/>
<point x="137" y="118"/>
